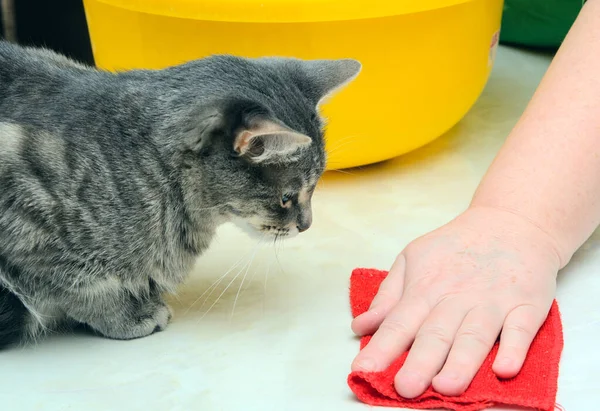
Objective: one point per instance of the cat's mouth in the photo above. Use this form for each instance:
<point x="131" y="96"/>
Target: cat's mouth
<point x="277" y="232"/>
<point x="266" y="231"/>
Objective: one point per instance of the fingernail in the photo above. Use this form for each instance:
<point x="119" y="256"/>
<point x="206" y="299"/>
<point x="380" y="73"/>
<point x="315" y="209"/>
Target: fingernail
<point x="366" y="364"/>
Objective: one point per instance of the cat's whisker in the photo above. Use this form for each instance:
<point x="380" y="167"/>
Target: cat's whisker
<point x="225" y="290"/>
<point x="342" y="143"/>
<point x="344" y="172"/>
<point x="244" y="266"/>
<point x="176" y="297"/>
<point x="346" y="138"/>
<point x="249" y="283"/>
<point x="276" y="244"/>
<point x="333" y="164"/>
<point x="320" y="184"/>
<point x="244" y="278"/>
<point x="265" y="285"/>
<point x="216" y="283"/>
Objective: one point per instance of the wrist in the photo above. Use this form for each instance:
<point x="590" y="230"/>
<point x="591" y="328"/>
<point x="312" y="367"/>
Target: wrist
<point x="515" y="227"/>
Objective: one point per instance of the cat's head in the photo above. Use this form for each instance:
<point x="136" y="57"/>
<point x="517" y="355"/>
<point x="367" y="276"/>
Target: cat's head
<point x="257" y="150"/>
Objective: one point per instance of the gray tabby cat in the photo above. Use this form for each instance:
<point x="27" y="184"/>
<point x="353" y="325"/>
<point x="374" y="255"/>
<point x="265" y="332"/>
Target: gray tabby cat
<point x="111" y="185"/>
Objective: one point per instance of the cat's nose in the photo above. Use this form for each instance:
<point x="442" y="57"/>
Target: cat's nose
<point x="304" y="222"/>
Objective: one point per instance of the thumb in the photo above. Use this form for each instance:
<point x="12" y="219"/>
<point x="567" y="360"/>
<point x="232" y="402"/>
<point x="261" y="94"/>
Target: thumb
<point x="388" y="295"/>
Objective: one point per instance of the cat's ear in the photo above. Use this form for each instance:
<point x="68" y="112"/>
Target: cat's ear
<point x="266" y="141"/>
<point x="249" y="129"/>
<point x="323" y="78"/>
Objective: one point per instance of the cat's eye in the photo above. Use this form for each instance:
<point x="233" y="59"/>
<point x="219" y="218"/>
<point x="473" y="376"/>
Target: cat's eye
<point x="285" y="200"/>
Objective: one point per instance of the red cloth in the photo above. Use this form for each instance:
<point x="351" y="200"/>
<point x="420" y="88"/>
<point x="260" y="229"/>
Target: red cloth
<point x="533" y="388"/>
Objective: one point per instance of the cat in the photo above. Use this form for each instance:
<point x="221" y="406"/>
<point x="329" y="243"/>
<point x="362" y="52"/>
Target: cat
<point x="112" y="184"/>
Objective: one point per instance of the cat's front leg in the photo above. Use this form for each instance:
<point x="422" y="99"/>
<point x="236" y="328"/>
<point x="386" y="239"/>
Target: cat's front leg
<point x="123" y="315"/>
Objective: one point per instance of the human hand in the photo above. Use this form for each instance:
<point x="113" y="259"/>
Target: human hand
<point x="451" y="293"/>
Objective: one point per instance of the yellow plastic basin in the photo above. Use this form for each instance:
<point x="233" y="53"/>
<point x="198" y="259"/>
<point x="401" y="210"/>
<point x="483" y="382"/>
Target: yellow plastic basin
<point x="425" y="62"/>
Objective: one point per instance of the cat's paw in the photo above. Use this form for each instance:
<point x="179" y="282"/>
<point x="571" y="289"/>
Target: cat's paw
<point x="161" y="318"/>
<point x="150" y="320"/>
<point x="157" y="321"/>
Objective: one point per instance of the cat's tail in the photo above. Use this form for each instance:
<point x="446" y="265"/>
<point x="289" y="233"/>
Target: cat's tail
<point x="13" y="317"/>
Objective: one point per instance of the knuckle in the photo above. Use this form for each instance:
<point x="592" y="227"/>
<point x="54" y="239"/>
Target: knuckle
<point x="476" y="334"/>
<point x="394" y="326"/>
<point x="437" y="332"/>
<point x="385" y="296"/>
<point x="519" y="328"/>
<point x="451" y="295"/>
<point x="410" y="247"/>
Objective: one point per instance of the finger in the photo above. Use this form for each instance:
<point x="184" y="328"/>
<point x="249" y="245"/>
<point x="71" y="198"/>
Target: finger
<point x="394" y="336"/>
<point x="520" y="328"/>
<point x="387" y="297"/>
<point x="430" y="349"/>
<point x="473" y="342"/>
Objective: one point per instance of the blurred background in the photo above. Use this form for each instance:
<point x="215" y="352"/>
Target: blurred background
<point x="56" y="24"/>
<point x="61" y="24"/>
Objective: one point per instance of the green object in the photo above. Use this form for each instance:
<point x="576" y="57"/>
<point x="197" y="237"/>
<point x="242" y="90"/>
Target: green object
<point x="538" y="23"/>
